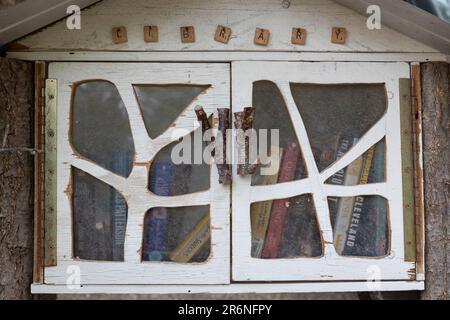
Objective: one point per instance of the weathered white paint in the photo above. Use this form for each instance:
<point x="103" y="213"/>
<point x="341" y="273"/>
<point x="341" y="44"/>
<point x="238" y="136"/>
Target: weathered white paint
<point x="226" y="56"/>
<point x="134" y="188"/>
<point x="360" y="286"/>
<point x="331" y="266"/>
<point x="317" y="16"/>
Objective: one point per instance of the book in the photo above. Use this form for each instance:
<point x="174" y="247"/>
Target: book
<point x="350" y="246"/>
<point x="179" y="218"/>
<point x="380" y="236"/>
<point x="345" y="206"/>
<point x="260" y="211"/>
<point x="195" y="240"/>
<point x="344" y="145"/>
<point x="91" y="217"/>
<point x="160" y="184"/>
<point x="119" y="208"/>
<point x="298" y="238"/>
<point x="288" y="166"/>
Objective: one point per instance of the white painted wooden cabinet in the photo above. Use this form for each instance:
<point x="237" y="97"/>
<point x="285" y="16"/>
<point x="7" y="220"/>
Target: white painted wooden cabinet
<point x="102" y="112"/>
<point x="329" y="218"/>
<point x="331" y="108"/>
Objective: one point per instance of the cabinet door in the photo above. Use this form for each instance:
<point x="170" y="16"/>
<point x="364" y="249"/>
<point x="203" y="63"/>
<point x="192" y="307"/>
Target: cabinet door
<point x="332" y="209"/>
<point x="126" y="213"/>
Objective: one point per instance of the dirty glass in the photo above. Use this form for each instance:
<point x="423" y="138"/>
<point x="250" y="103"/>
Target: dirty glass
<point x="160" y="105"/>
<point x="368" y="168"/>
<point x="285" y="228"/>
<point x="100" y="128"/>
<point x="360" y="225"/>
<point x="271" y="113"/>
<point x="99" y="219"/>
<point x="337" y="116"/>
<point x="180" y="234"/>
<point x="169" y="179"/>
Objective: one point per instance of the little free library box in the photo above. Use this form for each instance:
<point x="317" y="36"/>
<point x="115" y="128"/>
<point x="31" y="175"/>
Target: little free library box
<point x="339" y="206"/>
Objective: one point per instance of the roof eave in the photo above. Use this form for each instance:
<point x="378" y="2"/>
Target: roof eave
<point x="409" y="20"/>
<point x="29" y="16"/>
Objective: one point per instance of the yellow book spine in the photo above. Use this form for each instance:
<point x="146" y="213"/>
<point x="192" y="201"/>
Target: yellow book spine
<point x="345" y="208"/>
<point x="260" y="212"/>
<point x="193" y="242"/>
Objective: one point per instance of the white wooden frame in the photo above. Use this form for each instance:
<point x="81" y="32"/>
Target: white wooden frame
<point x="309" y="287"/>
<point x="54" y="281"/>
<point x="331" y="266"/>
<point x="134" y="188"/>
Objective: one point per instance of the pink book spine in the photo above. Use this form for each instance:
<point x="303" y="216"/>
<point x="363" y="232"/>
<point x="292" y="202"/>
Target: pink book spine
<point x="289" y="161"/>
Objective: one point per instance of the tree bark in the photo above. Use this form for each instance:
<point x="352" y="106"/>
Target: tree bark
<point x="436" y="152"/>
<point x="16" y="179"/>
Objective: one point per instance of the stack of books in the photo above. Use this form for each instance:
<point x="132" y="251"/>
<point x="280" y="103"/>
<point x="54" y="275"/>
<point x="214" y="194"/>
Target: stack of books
<point x="288" y="228"/>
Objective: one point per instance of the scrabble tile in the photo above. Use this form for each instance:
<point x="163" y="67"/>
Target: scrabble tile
<point x="119" y="35"/>
<point x="187" y="34"/>
<point x="151" y="34"/>
<point x="298" y="36"/>
<point x="261" y="37"/>
<point x="222" y="34"/>
<point x="338" y="35"/>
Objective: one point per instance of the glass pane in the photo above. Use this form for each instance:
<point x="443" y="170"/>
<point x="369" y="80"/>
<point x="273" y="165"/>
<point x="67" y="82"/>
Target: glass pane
<point x="168" y="179"/>
<point x="161" y="104"/>
<point x="369" y="168"/>
<point x="360" y="225"/>
<point x="271" y="113"/>
<point x="100" y="128"/>
<point x="285" y="228"/>
<point x="99" y="219"/>
<point x="336" y="113"/>
<point x="179" y="234"/>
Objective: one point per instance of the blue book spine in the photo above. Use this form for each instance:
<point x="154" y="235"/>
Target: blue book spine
<point x="119" y="207"/>
<point x="160" y="184"/>
<point x="380" y="204"/>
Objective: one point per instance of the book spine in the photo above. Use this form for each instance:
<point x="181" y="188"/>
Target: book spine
<point x="272" y="242"/>
<point x="160" y="182"/>
<point x="260" y="212"/>
<point x="176" y="223"/>
<point x="338" y="178"/>
<point x="92" y="233"/>
<point x="119" y="209"/>
<point x="194" y="241"/>
<point x="345" y="207"/>
<point x="377" y="174"/>
<point x="352" y="233"/>
<point x="295" y="230"/>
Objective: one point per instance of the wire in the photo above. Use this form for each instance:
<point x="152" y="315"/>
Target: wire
<point x="20" y="149"/>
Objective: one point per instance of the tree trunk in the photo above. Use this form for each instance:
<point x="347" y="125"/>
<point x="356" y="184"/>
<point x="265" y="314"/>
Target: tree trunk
<point x="436" y="149"/>
<point x="16" y="179"/>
